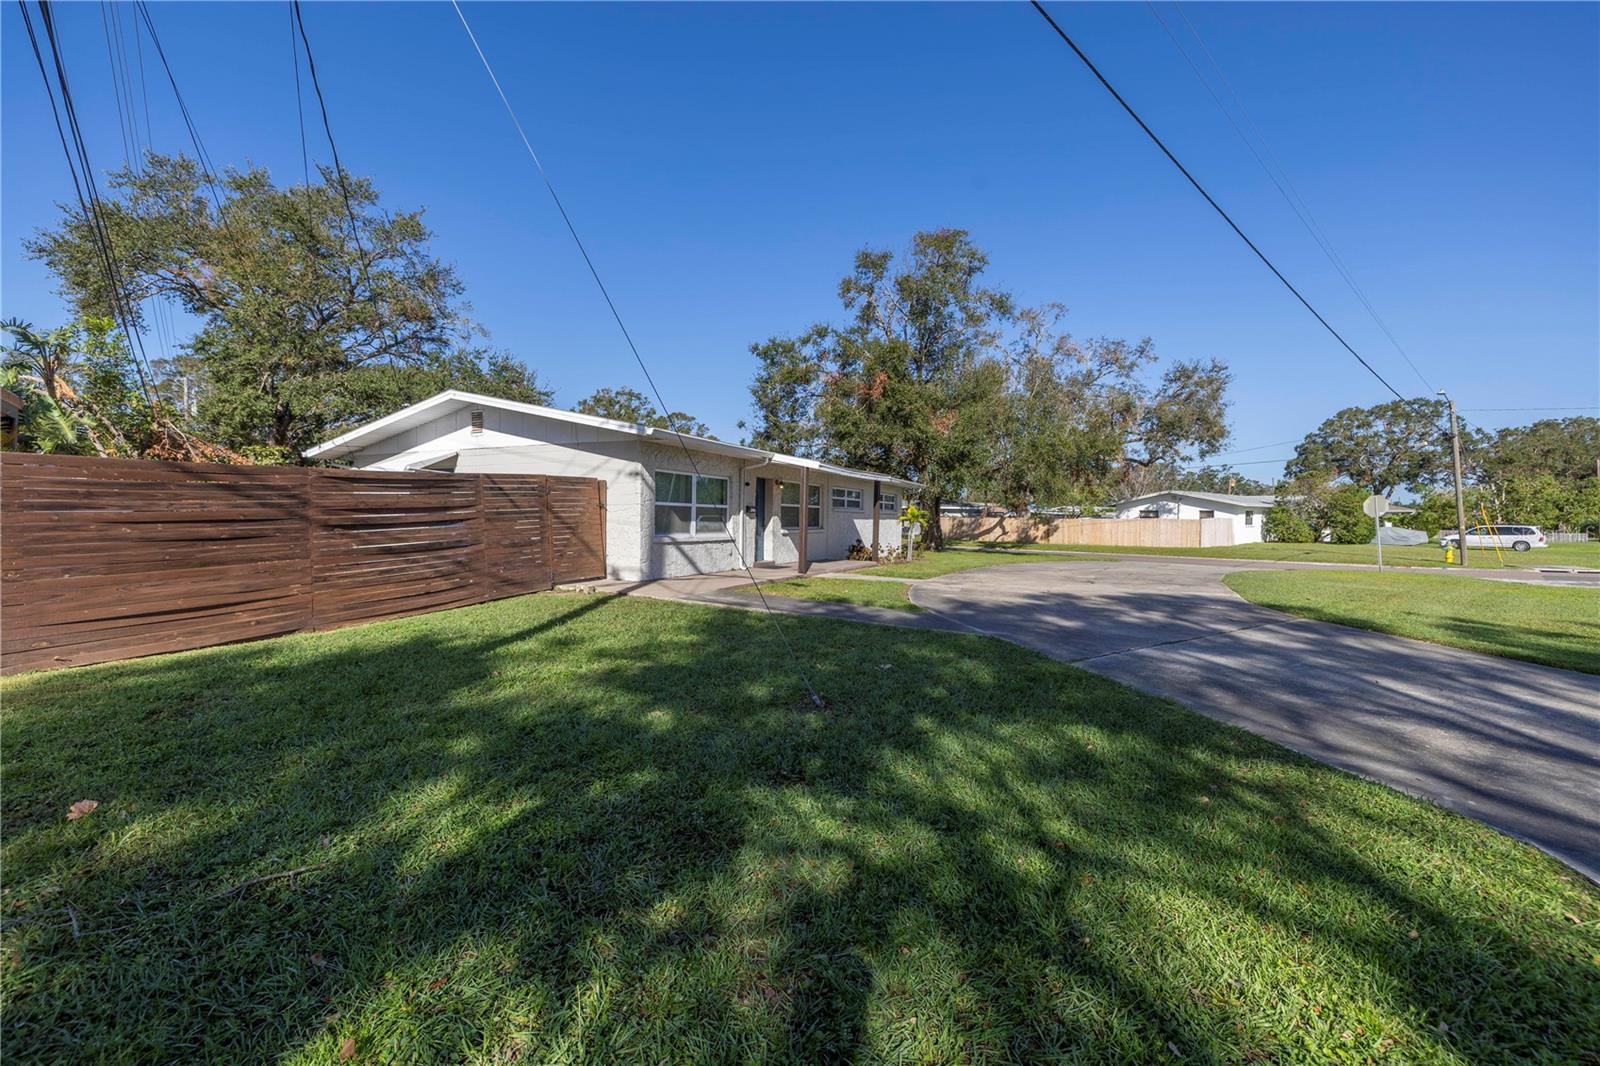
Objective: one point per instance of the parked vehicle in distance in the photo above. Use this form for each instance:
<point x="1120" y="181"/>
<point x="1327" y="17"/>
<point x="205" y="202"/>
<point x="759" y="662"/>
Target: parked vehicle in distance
<point x="1517" y="538"/>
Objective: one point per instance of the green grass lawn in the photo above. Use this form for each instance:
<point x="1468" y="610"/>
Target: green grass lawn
<point x="890" y="594"/>
<point x="936" y="563"/>
<point x="1585" y="555"/>
<point x="561" y="827"/>
<point x="1539" y="623"/>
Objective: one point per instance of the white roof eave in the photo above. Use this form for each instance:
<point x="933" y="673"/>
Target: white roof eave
<point x="425" y="410"/>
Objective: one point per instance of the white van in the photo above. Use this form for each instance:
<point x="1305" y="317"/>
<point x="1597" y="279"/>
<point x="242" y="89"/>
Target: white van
<point x="1516" y="538"/>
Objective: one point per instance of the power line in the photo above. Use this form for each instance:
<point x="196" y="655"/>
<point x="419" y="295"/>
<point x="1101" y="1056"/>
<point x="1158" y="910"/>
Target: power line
<point x="160" y="313"/>
<point x="134" y="159"/>
<point x="1070" y="43"/>
<point x="327" y="127"/>
<point x="549" y="185"/>
<point x="1589" y="407"/>
<point x="1291" y="195"/>
<point x="86" y="190"/>
<point x="203" y="157"/>
<point x="116" y="90"/>
<point x="1260" y="462"/>
<point x="1257" y="448"/>
<point x="299" y="104"/>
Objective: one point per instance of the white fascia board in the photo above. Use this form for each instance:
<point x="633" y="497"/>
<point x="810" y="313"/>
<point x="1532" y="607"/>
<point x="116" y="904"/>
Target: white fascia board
<point x="423" y="410"/>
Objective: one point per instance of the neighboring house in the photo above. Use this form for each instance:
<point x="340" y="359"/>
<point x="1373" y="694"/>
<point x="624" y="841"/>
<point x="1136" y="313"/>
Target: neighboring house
<point x="665" y="510"/>
<point x="1246" y="512"/>
<point x="972" y="510"/>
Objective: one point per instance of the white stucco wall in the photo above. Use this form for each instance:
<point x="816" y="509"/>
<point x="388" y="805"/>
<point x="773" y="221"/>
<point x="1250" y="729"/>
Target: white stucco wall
<point x="1173" y="506"/>
<point x="699" y="553"/>
<point x="519" y="443"/>
<point x="841" y="528"/>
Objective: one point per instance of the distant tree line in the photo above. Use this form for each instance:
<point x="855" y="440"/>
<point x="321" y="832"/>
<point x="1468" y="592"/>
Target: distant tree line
<point x="1540" y="474"/>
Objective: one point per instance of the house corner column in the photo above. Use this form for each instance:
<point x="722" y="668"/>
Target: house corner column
<point x="877" y="496"/>
<point x="805" y="519"/>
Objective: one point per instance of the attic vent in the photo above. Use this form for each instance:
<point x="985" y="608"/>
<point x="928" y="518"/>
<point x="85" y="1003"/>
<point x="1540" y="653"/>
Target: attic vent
<point x="477" y="421"/>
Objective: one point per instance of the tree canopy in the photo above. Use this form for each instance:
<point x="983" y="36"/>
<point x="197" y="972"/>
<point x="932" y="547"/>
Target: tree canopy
<point x="1401" y="444"/>
<point x="1563" y="448"/>
<point x="317" y="307"/>
<point x="935" y="376"/>
<point x="630" y="405"/>
<point x="1542" y="474"/>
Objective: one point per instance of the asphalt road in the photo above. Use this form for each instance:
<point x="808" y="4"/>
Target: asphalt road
<point x="1512" y="744"/>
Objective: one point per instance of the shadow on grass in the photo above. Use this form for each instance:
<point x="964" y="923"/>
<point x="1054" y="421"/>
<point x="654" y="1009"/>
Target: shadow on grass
<point x="570" y="828"/>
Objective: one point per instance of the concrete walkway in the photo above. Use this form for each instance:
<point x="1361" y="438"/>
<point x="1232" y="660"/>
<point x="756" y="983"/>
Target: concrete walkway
<point x="1511" y="744"/>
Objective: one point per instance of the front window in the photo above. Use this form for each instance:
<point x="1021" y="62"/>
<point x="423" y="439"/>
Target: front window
<point x="1208" y="514"/>
<point x="1149" y="512"/>
<point x="687" y="504"/>
<point x="789" y="506"/>
<point x="846" y="499"/>
<point x="889" y="503"/>
<point x="1249" y="518"/>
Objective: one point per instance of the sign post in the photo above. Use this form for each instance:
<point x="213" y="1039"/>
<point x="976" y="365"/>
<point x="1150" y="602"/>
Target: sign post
<point x="1376" y="506"/>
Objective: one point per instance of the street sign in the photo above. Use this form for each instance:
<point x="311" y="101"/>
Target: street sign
<point x="1374" y="506"/>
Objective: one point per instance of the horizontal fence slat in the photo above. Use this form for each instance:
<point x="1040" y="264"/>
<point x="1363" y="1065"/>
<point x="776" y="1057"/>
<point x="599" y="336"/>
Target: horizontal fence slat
<point x="1100" y="532"/>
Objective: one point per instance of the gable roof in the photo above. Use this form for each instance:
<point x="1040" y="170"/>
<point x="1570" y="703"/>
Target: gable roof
<point x="450" y="400"/>
<point x="1209" y="497"/>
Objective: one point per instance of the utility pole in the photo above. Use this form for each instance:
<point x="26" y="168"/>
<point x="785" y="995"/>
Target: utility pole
<point x="1455" y="455"/>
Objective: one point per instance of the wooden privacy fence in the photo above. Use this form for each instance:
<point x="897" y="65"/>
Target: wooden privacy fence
<point x="1102" y="532"/>
<point x="104" y="559"/>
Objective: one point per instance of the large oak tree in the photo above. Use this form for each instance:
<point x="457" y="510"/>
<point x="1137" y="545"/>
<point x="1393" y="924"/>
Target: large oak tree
<point x="295" y="290"/>
<point x="1401" y="444"/>
<point x="937" y="377"/>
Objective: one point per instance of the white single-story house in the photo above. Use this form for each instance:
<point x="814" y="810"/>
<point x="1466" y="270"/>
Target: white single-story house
<point x="1246" y="512"/>
<point x="676" y="504"/>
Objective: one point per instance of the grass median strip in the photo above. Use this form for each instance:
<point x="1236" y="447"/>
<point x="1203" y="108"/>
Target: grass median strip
<point x="890" y="594"/>
<point x="1410" y="555"/>
<point x="1537" y="623"/>
<point x="615" y="829"/>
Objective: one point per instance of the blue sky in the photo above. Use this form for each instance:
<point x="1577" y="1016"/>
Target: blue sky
<point x="724" y="162"/>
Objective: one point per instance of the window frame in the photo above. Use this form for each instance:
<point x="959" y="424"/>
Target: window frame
<point x="1249" y="518"/>
<point x="1208" y="513"/>
<point x="721" y="528"/>
<point x="809" y="507"/>
<point x="1149" y="512"/>
<point x="839" y="497"/>
<point x="884" y="504"/>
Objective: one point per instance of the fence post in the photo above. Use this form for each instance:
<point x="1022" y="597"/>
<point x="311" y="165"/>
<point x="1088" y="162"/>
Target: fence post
<point x="313" y="522"/>
<point x="481" y="521"/>
<point x="549" y="532"/>
<point x="605" y="571"/>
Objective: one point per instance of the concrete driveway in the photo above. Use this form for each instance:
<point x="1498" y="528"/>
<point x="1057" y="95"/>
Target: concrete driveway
<point x="1514" y="745"/>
